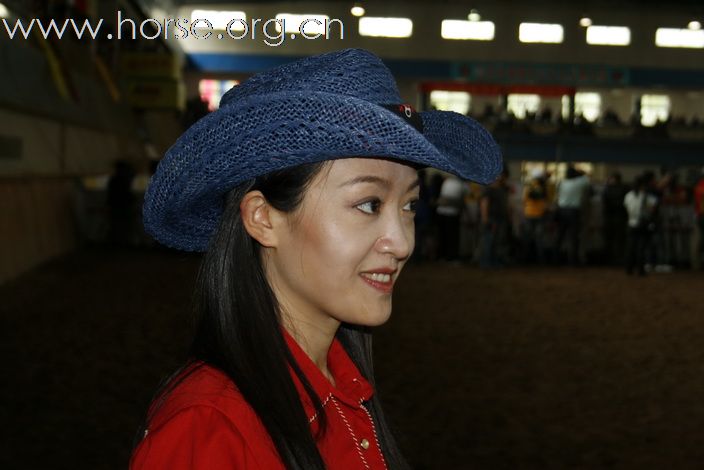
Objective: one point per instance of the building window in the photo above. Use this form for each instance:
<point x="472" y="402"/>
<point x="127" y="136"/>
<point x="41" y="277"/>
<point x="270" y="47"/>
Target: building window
<point x="541" y="33"/>
<point x="467" y="30"/>
<point x="588" y="104"/>
<point x="457" y="101"/>
<point x="654" y="109"/>
<point x="520" y="104"/>
<point x="385" y="27"/>
<point x="608" y="35"/>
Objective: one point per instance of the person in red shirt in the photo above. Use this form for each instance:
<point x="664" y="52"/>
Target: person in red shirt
<point x="300" y="190"/>
<point x="699" y="209"/>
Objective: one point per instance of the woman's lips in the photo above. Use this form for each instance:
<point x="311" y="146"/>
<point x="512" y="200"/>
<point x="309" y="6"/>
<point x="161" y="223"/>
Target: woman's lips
<point x="385" y="287"/>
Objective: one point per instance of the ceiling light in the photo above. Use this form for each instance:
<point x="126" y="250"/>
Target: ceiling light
<point x="4" y="12"/>
<point x="672" y="37"/>
<point x="474" y="15"/>
<point x="468" y="30"/>
<point x="609" y="35"/>
<point x="357" y="10"/>
<point x="585" y="22"/>
<point x="385" y="27"/>
<point x="219" y="19"/>
<point x="539" y="32"/>
<point x="694" y="25"/>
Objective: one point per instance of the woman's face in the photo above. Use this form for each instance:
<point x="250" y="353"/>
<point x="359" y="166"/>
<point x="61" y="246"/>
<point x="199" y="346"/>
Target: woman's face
<point x="342" y="249"/>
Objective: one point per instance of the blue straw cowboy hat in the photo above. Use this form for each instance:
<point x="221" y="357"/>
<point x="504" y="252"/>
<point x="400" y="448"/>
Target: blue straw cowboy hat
<point x="336" y="105"/>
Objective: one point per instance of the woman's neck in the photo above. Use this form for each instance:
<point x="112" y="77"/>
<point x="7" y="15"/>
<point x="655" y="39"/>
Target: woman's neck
<point x="314" y="340"/>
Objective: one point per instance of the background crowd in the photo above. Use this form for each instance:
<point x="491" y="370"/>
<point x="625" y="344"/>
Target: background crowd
<point x="653" y="223"/>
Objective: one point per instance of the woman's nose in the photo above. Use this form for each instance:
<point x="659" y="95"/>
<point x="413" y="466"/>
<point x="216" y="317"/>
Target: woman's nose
<point x="398" y="238"/>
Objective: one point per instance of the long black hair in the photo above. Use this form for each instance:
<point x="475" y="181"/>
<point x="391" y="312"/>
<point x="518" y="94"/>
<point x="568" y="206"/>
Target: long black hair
<point x="238" y="329"/>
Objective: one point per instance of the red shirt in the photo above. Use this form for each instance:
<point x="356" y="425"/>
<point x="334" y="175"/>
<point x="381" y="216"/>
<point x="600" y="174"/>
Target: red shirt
<point x="205" y="423"/>
<point x="699" y="197"/>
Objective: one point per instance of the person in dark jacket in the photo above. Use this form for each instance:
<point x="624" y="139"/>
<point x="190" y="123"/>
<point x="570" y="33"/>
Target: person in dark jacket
<point x="614" y="217"/>
<point x="122" y="212"/>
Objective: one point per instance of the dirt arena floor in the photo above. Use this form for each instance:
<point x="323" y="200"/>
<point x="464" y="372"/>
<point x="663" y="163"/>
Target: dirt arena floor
<point x="506" y="369"/>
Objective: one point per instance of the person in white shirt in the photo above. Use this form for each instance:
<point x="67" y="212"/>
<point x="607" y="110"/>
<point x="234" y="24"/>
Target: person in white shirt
<point x="571" y="194"/>
<point x="449" y="209"/>
<point x="640" y="207"/>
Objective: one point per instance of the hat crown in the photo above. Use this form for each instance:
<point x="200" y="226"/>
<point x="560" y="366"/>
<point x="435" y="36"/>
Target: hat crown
<point x="352" y="72"/>
<point x="338" y="105"/>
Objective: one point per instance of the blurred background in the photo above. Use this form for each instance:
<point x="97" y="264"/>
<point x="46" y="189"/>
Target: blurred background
<point x="545" y="321"/>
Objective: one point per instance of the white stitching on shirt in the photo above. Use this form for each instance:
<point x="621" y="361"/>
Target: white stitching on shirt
<point x="349" y="428"/>
<point x="310" y="421"/>
<point x="376" y="439"/>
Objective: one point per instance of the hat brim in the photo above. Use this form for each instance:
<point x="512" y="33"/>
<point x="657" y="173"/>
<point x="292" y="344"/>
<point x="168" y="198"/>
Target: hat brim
<point x="264" y="133"/>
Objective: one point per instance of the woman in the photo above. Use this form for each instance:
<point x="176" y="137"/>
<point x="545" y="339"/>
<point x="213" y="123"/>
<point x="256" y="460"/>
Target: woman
<point x="300" y="189"/>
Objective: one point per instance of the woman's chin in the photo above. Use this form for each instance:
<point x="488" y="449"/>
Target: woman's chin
<point x="372" y="318"/>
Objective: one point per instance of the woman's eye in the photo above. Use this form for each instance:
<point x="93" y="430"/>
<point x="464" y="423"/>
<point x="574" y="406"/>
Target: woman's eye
<point x="370" y="207"/>
<point x="411" y="206"/>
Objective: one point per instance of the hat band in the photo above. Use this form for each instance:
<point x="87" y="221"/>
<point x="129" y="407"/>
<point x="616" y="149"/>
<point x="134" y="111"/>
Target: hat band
<point x="407" y="113"/>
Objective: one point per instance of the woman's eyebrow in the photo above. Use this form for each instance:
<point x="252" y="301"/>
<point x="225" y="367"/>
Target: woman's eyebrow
<point x="377" y="180"/>
<point x="368" y="179"/>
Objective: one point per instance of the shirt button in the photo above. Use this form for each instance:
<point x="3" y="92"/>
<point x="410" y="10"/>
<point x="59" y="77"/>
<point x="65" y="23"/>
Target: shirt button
<point x="364" y="443"/>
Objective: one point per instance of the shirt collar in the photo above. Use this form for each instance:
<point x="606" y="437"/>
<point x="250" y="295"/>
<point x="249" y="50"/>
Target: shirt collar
<point x="350" y="386"/>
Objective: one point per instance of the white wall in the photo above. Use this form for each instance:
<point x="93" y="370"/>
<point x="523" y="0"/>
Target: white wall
<point x="41" y="144"/>
<point x="51" y="148"/>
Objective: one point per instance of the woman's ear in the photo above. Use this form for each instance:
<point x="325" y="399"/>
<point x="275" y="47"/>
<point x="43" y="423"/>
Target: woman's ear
<point x="257" y="216"/>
